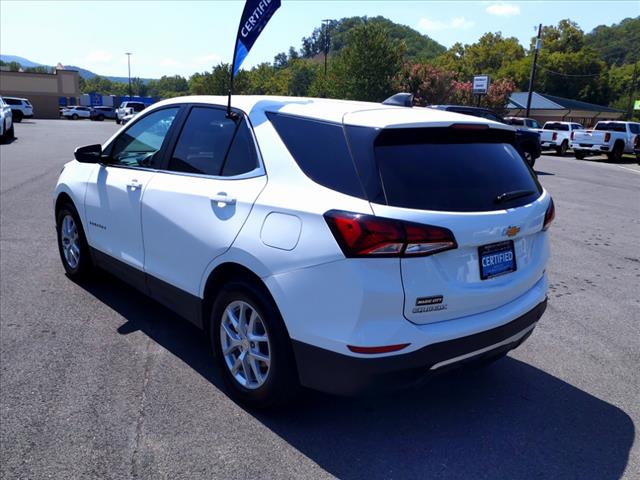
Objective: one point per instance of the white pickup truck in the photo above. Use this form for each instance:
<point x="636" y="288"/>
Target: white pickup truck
<point x="556" y="136"/>
<point x="128" y="108"/>
<point x="612" y="138"/>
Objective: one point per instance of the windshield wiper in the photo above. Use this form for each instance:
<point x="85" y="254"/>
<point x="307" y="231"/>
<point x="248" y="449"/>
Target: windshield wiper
<point x="505" y="197"/>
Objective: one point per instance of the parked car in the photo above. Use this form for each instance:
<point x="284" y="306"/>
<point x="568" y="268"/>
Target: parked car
<point x="557" y="135"/>
<point x="75" y="112"/>
<point x="100" y="113"/>
<point x="527" y="142"/>
<point x="524" y="122"/>
<point x="20" y="108"/>
<point x="612" y="138"/>
<point x="6" y="121"/>
<point x="128" y="108"/>
<point x="385" y="245"/>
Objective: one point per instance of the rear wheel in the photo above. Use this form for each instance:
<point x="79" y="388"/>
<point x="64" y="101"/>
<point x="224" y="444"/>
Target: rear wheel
<point x="579" y="155"/>
<point x="616" y="153"/>
<point x="100" y="117"/>
<point x="17" y="116"/>
<point x="72" y="243"/>
<point x="562" y="150"/>
<point x="74" y="117"/>
<point x="252" y="346"/>
<point x="117" y="121"/>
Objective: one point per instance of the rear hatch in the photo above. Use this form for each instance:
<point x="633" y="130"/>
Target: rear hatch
<point x="470" y="180"/>
<point x="586" y="138"/>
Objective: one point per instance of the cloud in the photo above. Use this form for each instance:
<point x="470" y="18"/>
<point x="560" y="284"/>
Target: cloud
<point x="502" y="9"/>
<point x="98" y="56"/>
<point x="458" y="23"/>
<point x="208" y="59"/>
<point x="169" y="62"/>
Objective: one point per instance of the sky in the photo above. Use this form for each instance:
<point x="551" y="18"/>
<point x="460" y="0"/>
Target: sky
<point x="183" y="37"/>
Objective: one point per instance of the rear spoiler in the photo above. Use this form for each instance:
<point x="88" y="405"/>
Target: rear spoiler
<point x="400" y="100"/>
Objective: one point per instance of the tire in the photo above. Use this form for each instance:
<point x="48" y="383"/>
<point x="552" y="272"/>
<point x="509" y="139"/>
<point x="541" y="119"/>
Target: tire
<point x="17" y="116"/>
<point x="638" y="158"/>
<point x="10" y="134"/>
<point x="100" y="118"/>
<point x="528" y="157"/>
<point x="279" y="380"/>
<point x="579" y="155"/>
<point x="616" y="153"/>
<point x="70" y="232"/>
<point x="74" y="117"/>
<point x="117" y="121"/>
<point x="562" y="150"/>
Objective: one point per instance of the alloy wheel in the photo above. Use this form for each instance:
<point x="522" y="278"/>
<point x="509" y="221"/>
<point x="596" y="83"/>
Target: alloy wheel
<point x="70" y="241"/>
<point x="245" y="344"/>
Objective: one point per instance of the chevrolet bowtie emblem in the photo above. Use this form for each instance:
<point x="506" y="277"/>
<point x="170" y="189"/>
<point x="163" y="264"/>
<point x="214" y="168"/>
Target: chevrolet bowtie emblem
<point x="511" y="231"/>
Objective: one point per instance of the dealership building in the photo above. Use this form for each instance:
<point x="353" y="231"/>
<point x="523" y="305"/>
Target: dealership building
<point x="43" y="90"/>
<point x="548" y="108"/>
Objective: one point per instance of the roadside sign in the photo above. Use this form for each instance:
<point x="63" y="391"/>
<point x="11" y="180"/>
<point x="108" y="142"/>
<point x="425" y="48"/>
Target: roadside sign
<point x="636" y="105"/>
<point x="480" y="84"/>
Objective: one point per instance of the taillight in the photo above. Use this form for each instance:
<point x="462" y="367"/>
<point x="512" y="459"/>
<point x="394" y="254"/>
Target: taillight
<point x="607" y="136"/>
<point x="370" y="236"/>
<point x="572" y="135"/>
<point x="636" y="143"/>
<point x="555" y="136"/>
<point x="549" y="215"/>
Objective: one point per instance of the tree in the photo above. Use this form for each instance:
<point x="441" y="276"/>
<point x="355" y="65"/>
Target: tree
<point x="366" y="67"/>
<point x="217" y="81"/>
<point x="618" y="44"/>
<point x="429" y="85"/>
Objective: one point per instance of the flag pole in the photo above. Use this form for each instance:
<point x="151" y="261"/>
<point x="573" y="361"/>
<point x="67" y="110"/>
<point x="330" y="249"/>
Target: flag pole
<point x="233" y="63"/>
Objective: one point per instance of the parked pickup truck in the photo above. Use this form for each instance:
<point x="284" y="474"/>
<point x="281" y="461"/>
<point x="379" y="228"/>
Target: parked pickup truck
<point x="128" y="108"/>
<point x="556" y="136"/>
<point x="609" y="137"/>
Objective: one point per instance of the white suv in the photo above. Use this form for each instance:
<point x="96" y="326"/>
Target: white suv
<point x="74" y="112"/>
<point x="333" y="244"/>
<point x="20" y="107"/>
<point x="6" y="122"/>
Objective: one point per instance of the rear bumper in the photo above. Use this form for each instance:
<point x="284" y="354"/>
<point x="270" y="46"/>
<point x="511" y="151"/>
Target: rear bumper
<point x="596" y="149"/>
<point x="341" y="374"/>
<point x="548" y="145"/>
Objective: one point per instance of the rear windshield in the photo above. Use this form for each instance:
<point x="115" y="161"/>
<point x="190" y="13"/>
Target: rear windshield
<point x="556" y="126"/>
<point x="514" y="121"/>
<point x="439" y="169"/>
<point x="611" y="127"/>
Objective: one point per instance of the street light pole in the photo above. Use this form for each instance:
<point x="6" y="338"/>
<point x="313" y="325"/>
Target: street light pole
<point x="128" y="54"/>
<point x="533" y="69"/>
<point x="325" y="28"/>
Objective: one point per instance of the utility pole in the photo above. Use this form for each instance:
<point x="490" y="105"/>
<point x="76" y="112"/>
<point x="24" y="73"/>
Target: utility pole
<point x="632" y="91"/>
<point x="325" y="29"/>
<point x="128" y="54"/>
<point x="533" y="68"/>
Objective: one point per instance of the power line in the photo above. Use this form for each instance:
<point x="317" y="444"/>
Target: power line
<point x="568" y="74"/>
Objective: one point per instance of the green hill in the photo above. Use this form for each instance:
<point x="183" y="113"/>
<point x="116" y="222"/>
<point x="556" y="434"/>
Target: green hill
<point x="418" y="46"/>
<point x="617" y="44"/>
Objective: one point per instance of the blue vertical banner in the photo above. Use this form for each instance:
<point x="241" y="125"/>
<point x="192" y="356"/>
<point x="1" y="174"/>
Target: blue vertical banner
<point x="254" y="18"/>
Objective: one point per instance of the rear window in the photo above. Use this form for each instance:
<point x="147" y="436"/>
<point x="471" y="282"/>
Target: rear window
<point x="611" y="127"/>
<point x="514" y="121"/>
<point x="320" y="150"/>
<point x="456" y="171"/>
<point x="556" y="126"/>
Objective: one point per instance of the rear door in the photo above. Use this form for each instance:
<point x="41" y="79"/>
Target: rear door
<point x="195" y="207"/>
<point x="474" y="183"/>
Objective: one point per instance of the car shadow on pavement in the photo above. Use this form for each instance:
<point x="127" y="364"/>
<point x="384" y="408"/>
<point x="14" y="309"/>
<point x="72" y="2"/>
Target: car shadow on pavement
<point x="509" y="420"/>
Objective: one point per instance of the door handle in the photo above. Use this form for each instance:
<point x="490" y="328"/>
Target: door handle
<point x="134" y="184"/>
<point x="223" y="199"/>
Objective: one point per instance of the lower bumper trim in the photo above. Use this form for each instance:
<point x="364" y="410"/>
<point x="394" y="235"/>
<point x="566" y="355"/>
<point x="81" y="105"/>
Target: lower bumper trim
<point x="340" y="374"/>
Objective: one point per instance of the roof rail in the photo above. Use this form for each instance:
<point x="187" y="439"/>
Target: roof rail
<point x="400" y="100"/>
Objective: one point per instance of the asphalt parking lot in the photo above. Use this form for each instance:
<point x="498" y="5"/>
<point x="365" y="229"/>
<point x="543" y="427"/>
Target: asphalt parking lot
<point x="96" y="381"/>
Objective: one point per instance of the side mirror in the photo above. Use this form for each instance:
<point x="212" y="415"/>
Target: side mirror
<point x="89" y="153"/>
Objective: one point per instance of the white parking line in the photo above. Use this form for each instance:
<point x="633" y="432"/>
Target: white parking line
<point x="630" y="169"/>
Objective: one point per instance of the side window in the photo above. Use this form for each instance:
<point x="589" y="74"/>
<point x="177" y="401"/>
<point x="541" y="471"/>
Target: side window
<point x="204" y="142"/>
<point x="634" y="127"/>
<point x="320" y="150"/>
<point x="137" y="146"/>
<point x="242" y="157"/>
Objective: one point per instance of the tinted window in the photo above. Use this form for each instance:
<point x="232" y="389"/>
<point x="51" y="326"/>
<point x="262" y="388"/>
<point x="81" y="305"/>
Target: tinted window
<point x="634" y="127"/>
<point x="533" y="123"/>
<point x="320" y="150"/>
<point x="204" y="142"/>
<point x="242" y="156"/>
<point x="138" y="145"/>
<point x="556" y="126"/>
<point x="438" y="169"/>
<point x="515" y="121"/>
<point x="611" y="126"/>
<point x="137" y="107"/>
<point x="12" y="101"/>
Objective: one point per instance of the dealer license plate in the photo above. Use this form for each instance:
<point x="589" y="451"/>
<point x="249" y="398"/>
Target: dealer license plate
<point x="497" y="259"/>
